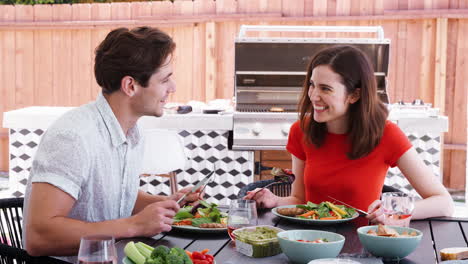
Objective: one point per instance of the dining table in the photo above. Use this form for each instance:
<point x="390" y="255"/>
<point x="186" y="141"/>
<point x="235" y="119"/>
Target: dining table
<point x="438" y="233"/>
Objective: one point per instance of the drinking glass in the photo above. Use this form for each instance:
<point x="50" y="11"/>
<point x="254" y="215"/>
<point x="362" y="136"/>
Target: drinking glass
<point x="241" y="213"/>
<point x="397" y="208"/>
<point x="97" y="249"/>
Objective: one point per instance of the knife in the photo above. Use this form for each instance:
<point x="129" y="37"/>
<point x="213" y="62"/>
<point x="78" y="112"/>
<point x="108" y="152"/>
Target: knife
<point x="359" y="210"/>
<point x="198" y="185"/>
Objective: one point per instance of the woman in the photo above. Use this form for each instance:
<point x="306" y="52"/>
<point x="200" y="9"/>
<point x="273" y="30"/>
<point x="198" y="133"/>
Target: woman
<point x="343" y="145"/>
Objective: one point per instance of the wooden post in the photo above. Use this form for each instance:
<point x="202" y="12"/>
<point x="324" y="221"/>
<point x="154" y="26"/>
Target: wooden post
<point x="210" y="63"/>
<point x="441" y="63"/>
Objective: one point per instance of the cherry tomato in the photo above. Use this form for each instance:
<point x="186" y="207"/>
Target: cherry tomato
<point x="198" y="255"/>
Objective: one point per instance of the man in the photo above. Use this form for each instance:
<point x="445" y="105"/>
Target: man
<point x="84" y="179"/>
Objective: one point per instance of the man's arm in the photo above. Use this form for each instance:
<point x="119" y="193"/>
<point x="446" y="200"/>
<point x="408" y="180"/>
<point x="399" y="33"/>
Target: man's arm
<point x="51" y="232"/>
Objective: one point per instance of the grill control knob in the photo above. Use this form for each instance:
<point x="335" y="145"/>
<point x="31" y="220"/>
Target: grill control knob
<point x="285" y="129"/>
<point x="257" y="129"/>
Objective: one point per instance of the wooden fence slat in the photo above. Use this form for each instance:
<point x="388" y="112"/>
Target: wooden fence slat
<point x="103" y="11"/>
<point x="43" y="54"/>
<point x="226" y="6"/>
<point x="458" y="158"/>
<point x="402" y="4"/>
<point x="141" y="9"/>
<point x="400" y="61"/>
<point x="248" y="6"/>
<point x="440" y="63"/>
<point x="343" y="8"/>
<point x="428" y="4"/>
<point x="182" y="7"/>
<point x="294" y="8"/>
<point x="81" y="57"/>
<point x="427" y="63"/>
<point x="415" y="4"/>
<point x="309" y="8"/>
<point x="413" y="60"/>
<point x="271" y="6"/>
<point x="210" y="64"/>
<point x="441" y="4"/>
<point x="320" y="8"/>
<point x="24" y="58"/>
<point x="61" y="61"/>
<point x="204" y="7"/>
<point x="120" y="11"/>
<point x="162" y="8"/>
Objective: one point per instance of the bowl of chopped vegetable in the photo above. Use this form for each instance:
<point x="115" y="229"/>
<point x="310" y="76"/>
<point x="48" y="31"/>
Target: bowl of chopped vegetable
<point x="302" y="246"/>
<point x="389" y="242"/>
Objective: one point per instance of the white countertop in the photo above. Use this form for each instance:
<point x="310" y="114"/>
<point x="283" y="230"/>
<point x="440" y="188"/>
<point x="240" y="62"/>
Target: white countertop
<point x="43" y="116"/>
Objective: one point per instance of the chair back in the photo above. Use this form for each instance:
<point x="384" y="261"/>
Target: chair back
<point x="11" y="245"/>
<point x="163" y="152"/>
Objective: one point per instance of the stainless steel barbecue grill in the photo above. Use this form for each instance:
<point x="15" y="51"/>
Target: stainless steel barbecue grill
<point x="270" y="72"/>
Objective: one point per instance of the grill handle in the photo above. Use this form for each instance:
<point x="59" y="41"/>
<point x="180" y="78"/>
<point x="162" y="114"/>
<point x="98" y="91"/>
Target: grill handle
<point x="360" y="29"/>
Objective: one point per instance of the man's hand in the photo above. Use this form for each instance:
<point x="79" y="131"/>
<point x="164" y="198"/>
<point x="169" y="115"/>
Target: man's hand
<point x="155" y="218"/>
<point x="193" y="197"/>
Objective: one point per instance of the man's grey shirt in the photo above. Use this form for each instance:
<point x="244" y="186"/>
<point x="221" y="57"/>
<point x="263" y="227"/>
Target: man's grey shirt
<point x="86" y="154"/>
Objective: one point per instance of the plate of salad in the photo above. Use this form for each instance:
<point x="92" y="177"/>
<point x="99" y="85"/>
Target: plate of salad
<point x="203" y="217"/>
<point x="325" y="213"/>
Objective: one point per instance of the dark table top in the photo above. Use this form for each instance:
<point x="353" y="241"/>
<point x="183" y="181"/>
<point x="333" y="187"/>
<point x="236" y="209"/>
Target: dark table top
<point x="437" y="234"/>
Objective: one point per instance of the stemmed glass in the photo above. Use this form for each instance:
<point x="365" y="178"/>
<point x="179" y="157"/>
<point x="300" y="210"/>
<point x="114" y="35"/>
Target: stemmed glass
<point x="397" y="208"/>
<point x="97" y="249"/>
<point x="242" y="213"/>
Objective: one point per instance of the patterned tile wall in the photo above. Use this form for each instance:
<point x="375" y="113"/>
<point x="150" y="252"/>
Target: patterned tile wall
<point x="204" y="148"/>
<point x="428" y="147"/>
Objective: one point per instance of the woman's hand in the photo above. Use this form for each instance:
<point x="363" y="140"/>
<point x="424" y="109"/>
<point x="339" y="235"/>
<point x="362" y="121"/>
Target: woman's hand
<point x="375" y="211"/>
<point x="263" y="197"/>
<point x="376" y="216"/>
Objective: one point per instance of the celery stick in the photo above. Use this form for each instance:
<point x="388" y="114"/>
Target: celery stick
<point x="143" y="250"/>
<point x="133" y="254"/>
<point x="146" y="246"/>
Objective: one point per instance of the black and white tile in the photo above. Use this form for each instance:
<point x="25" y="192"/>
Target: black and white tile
<point x="204" y="148"/>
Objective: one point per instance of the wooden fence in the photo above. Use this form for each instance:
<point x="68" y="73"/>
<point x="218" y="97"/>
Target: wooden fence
<point x="46" y="51"/>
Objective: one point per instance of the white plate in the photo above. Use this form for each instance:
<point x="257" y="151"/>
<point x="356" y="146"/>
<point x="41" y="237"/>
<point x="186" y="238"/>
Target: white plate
<point x="311" y="221"/>
<point x="199" y="230"/>
<point x="128" y="261"/>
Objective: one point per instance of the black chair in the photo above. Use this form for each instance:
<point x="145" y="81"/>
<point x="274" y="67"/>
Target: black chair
<point x="11" y="245"/>
<point x="284" y="188"/>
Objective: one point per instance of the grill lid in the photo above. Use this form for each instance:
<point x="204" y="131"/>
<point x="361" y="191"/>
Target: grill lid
<point x="271" y="71"/>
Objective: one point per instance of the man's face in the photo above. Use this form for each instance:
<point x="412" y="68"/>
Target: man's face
<point x="150" y="100"/>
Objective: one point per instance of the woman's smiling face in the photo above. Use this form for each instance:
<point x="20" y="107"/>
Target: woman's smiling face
<point x="330" y="99"/>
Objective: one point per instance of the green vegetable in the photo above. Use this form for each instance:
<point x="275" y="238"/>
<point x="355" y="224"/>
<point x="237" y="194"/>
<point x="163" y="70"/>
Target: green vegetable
<point x="160" y="251"/>
<point x="133" y="254"/>
<point x="206" y="204"/>
<point x="203" y="220"/>
<point x="182" y="256"/>
<point x="182" y="215"/>
<point x="143" y="250"/>
<point x="150" y="248"/>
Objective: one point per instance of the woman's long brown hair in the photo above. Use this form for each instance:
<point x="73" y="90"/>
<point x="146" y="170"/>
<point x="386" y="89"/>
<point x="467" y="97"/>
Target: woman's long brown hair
<point x="366" y="116"/>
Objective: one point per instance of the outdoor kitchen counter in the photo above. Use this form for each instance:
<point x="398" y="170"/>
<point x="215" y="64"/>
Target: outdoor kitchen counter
<point x="203" y="136"/>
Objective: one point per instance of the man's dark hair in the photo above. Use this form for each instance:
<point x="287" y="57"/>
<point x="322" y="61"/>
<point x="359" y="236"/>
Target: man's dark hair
<point x="137" y="53"/>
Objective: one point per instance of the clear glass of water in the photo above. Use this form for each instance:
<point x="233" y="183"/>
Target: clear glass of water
<point x="97" y="249"/>
<point x="397" y="208"/>
<point x="242" y="213"/>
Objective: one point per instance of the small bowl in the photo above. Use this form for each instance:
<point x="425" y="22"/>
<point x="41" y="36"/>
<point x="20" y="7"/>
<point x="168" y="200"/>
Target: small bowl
<point x="303" y="252"/>
<point x="389" y="247"/>
<point x="333" y="261"/>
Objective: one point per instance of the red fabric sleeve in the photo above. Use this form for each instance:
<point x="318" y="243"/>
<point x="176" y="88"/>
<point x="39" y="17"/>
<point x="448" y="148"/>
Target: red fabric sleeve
<point x="295" y="144"/>
<point x="396" y="142"/>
